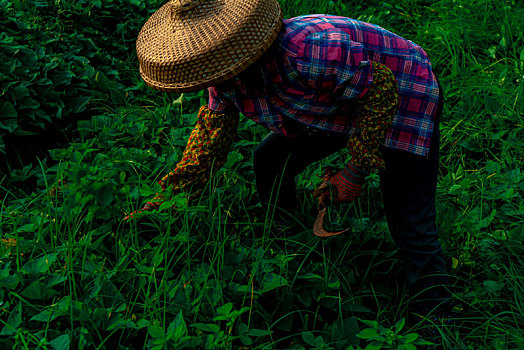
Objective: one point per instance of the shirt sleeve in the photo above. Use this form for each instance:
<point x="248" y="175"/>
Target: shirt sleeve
<point x="329" y="61"/>
<point x="216" y="102"/>
<point x="206" y="151"/>
<point x="375" y="112"/>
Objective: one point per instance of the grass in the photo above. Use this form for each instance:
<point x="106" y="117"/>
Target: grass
<point x="218" y="272"/>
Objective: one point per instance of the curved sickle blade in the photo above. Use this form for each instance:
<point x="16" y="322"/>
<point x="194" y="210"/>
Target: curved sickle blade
<point x="319" y="231"/>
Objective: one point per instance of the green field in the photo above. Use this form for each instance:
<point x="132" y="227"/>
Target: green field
<point x="83" y="142"/>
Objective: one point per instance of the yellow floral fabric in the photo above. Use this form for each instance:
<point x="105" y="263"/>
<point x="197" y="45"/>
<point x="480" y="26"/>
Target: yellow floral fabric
<point x="375" y="115"/>
<point x="206" y="150"/>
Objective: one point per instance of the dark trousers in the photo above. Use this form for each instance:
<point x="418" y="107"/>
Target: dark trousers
<point x="408" y="185"/>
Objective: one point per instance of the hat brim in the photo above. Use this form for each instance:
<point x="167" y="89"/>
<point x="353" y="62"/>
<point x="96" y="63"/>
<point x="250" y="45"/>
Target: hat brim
<point x="206" y="45"/>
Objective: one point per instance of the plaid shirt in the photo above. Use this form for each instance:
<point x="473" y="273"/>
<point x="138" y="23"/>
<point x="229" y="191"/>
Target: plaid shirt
<point x="319" y="66"/>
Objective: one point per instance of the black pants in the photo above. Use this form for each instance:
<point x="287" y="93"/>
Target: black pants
<point x="408" y="185"/>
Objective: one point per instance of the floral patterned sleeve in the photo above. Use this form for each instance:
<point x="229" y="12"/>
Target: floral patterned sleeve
<point x="206" y="150"/>
<point x="375" y="115"/>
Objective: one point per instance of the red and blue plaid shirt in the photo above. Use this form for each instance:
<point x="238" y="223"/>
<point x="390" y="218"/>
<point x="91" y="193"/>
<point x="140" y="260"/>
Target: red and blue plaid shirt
<point x="319" y="66"/>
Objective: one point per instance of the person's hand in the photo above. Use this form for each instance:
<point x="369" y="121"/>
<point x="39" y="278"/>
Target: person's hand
<point x="149" y="206"/>
<point x="342" y="186"/>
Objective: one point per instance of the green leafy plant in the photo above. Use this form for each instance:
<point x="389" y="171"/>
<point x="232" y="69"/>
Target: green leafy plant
<point x="379" y="337"/>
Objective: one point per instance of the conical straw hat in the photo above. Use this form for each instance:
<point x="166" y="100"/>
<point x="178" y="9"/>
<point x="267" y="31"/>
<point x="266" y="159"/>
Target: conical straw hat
<point x="189" y="45"/>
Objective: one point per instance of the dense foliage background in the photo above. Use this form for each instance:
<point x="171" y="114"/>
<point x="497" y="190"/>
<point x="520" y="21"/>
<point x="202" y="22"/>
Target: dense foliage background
<point x="83" y="141"/>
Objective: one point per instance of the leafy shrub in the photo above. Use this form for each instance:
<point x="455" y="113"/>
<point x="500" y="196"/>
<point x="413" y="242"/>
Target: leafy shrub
<point x="45" y="77"/>
<point x="58" y="63"/>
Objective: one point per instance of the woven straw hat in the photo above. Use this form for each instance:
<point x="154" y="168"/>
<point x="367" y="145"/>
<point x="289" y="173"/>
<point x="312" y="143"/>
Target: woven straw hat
<point x="189" y="45"/>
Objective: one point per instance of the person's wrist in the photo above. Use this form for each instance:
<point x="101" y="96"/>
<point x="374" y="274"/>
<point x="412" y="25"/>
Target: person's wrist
<point x="353" y="174"/>
<point x="348" y="182"/>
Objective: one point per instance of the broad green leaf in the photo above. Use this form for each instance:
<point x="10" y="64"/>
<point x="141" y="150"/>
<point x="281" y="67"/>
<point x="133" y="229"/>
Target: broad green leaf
<point x="207" y="327"/>
<point x="305" y="297"/>
<point x="142" y="323"/>
<point x="38" y="291"/>
<point x="30" y="58"/>
<point x="54" y="279"/>
<point x="31" y="104"/>
<point x="145" y="269"/>
<point x="508" y="195"/>
<point x="60" y="343"/>
<point x="104" y="196"/>
<point x="104" y="83"/>
<point x="221" y="318"/>
<point x="7" y="280"/>
<point x="155" y="331"/>
<point x="236" y="313"/>
<point x="258" y="332"/>
<point x="47" y="315"/>
<point x="4" y="39"/>
<point x="517" y="233"/>
<point x="374" y="346"/>
<point x="241" y="288"/>
<point x="368" y="333"/>
<point x="407" y="347"/>
<point x="411" y="337"/>
<point x="246" y="340"/>
<point x="179" y="136"/>
<point x="39" y="265"/>
<point x="79" y="103"/>
<point x="334" y="285"/>
<point x="225" y="309"/>
<point x="26" y="228"/>
<point x="370" y="323"/>
<point x="242" y="328"/>
<point x="421" y="341"/>
<point x="177" y="329"/>
<point x="8" y="117"/>
<point x="492" y="167"/>
<point x="485" y="222"/>
<point x="213" y="289"/>
<point x="8" y="67"/>
<point x="400" y="325"/>
<point x="308" y="338"/>
<point x="20" y="91"/>
<point x="117" y="97"/>
<point x="455" y="189"/>
<point x="492" y="286"/>
<point x="62" y="77"/>
<point x="53" y="311"/>
<point x="272" y="281"/>
<point x="122" y="323"/>
<point x="350" y="330"/>
<point x="232" y="159"/>
<point x="13" y="321"/>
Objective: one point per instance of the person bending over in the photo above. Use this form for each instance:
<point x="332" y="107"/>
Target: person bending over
<point x="318" y="83"/>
